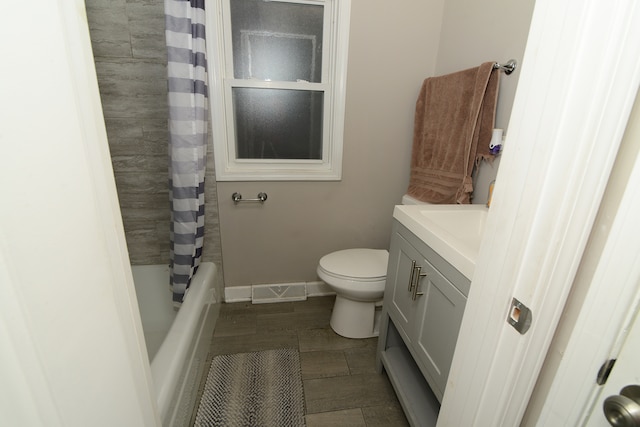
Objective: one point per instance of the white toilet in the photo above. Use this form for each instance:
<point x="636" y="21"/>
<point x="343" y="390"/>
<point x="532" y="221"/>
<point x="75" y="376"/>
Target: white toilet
<point x="358" y="277"/>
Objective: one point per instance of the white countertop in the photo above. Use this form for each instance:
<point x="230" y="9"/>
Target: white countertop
<point x="453" y="231"/>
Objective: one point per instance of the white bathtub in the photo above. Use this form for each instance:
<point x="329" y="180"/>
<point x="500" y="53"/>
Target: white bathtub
<point x="177" y="343"/>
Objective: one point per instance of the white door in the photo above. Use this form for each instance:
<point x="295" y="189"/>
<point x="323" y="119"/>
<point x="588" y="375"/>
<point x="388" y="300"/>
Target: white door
<point x="626" y="345"/>
<point x="552" y="180"/>
<point x="625" y="372"/>
<point x="603" y="324"/>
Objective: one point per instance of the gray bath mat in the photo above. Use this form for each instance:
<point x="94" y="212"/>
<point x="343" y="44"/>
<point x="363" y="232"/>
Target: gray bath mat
<point x="253" y="389"/>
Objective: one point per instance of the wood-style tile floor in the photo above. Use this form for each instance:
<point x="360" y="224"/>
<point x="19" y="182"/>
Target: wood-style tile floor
<point x="341" y="385"/>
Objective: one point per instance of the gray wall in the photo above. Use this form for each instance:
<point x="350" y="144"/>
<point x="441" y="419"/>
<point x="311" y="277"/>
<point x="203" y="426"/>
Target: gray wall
<point x="393" y="48"/>
<point x="478" y="31"/>
<point x="130" y="57"/>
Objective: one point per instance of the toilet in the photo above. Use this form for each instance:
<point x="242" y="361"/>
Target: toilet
<point x="358" y="277"/>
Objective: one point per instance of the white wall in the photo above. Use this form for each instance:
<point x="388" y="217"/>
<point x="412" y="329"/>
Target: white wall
<point x="71" y="346"/>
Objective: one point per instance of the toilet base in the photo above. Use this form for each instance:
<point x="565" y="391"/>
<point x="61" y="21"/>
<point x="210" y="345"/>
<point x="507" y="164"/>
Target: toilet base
<point x="354" y="319"/>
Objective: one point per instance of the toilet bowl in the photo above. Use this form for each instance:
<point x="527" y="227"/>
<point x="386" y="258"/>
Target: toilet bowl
<point x="358" y="277"/>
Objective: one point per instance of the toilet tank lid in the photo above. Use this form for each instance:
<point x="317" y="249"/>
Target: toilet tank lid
<point x="408" y="200"/>
<point x="364" y="263"/>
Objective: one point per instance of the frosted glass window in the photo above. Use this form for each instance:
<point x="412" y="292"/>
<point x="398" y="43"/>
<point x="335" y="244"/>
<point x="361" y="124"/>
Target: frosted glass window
<point x="278" y="84"/>
<point x="278" y="124"/>
<point x="276" y="41"/>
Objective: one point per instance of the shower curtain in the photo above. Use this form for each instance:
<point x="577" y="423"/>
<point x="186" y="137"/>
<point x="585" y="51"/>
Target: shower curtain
<point x="188" y="105"/>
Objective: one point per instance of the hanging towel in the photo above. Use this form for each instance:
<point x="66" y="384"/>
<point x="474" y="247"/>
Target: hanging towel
<point x="454" y="120"/>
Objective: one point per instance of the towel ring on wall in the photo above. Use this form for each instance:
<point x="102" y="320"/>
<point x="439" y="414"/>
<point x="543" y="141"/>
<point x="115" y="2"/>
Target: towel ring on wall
<point x="508" y="68"/>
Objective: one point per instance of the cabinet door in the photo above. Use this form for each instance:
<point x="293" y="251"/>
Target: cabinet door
<point x="400" y="306"/>
<point x="437" y="326"/>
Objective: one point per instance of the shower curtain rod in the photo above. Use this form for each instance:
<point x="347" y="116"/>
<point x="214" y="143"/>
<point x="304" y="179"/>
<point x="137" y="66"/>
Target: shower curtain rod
<point x="508" y="68"/>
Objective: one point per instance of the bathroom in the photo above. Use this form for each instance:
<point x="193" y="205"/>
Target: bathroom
<point x="130" y="56"/>
<point x="383" y="160"/>
<point x="377" y="135"/>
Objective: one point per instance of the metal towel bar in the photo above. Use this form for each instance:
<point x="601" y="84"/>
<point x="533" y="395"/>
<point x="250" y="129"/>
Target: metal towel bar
<point x="237" y="198"/>
<point x="508" y="68"/>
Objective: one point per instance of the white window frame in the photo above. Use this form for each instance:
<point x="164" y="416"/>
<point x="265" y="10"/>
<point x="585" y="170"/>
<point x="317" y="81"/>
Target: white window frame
<point x="333" y="84"/>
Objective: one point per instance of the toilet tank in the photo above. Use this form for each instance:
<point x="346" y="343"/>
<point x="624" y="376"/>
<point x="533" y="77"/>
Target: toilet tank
<point x="408" y="200"/>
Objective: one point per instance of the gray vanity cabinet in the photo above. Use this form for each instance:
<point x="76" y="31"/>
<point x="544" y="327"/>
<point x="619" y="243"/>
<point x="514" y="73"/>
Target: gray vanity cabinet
<point x="424" y="302"/>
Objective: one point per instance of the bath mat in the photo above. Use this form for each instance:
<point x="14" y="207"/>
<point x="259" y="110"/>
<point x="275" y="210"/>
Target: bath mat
<point x="263" y="389"/>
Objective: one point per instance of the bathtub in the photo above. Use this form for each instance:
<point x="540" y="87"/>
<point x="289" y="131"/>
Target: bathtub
<point x="177" y="342"/>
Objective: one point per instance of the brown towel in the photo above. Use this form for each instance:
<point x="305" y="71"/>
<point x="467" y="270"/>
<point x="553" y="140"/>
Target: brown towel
<point x="454" y="120"/>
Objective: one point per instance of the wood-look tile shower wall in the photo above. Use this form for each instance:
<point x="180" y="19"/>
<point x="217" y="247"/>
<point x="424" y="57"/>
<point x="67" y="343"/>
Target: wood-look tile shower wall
<point x="130" y="57"/>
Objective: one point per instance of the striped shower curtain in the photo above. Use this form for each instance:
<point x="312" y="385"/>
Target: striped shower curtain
<point x="188" y="105"/>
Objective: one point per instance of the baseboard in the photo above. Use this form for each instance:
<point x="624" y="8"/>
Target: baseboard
<point x="318" y="289"/>
<point x="237" y="294"/>
<point x="276" y="292"/>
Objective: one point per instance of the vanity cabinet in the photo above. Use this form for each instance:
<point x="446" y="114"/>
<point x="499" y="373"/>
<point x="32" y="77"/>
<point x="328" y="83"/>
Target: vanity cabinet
<point x="423" y="306"/>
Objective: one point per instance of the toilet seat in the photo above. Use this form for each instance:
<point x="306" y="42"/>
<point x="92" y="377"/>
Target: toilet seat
<point x="357" y="265"/>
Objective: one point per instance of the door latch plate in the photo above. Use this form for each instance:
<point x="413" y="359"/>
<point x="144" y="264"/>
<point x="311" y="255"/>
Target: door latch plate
<point x="519" y="316"/>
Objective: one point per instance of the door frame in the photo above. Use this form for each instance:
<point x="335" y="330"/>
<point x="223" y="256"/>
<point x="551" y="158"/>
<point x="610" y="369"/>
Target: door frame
<point x="71" y="339"/>
<point x="579" y="77"/>
<point x="610" y="307"/>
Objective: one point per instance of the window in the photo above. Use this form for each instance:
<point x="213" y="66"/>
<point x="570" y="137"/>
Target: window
<point x="277" y="72"/>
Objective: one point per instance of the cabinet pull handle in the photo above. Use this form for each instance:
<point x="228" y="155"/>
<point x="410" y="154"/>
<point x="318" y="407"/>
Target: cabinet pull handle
<point x="417" y="277"/>
<point x="413" y="271"/>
